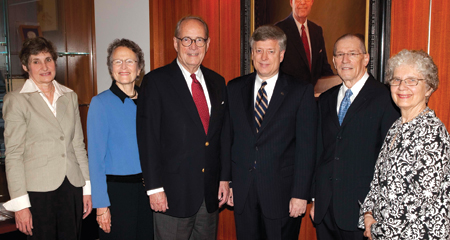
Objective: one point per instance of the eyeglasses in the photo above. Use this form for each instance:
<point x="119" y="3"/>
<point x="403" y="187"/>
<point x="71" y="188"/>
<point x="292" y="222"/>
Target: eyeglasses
<point x="351" y="55"/>
<point x="407" y="81"/>
<point x="187" y="41"/>
<point x="128" y="62"/>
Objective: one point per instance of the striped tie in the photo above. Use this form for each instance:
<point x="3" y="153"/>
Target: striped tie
<point x="261" y="105"/>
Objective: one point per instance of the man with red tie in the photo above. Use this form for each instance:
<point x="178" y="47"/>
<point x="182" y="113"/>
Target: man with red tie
<point x="179" y="123"/>
<point x="305" y="57"/>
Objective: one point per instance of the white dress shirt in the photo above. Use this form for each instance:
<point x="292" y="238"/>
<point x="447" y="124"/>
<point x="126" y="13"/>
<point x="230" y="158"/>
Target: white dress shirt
<point x="29" y="86"/>
<point x="187" y="77"/>
<point x="299" y="26"/>
<point x="355" y="90"/>
<point x="269" y="87"/>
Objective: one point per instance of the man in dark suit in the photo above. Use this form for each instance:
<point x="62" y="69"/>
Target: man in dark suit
<point x="305" y="57"/>
<point x="272" y="121"/>
<point x="179" y="122"/>
<point x="354" y="118"/>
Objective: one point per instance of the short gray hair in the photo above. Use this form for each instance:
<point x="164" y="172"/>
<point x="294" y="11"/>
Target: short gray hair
<point x="419" y="60"/>
<point x="269" y="32"/>
<point x="178" y="28"/>
<point x="128" y="44"/>
<point x="360" y="37"/>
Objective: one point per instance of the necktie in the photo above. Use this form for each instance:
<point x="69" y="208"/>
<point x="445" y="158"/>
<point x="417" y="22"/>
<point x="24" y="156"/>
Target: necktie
<point x="306" y="46"/>
<point x="200" y="102"/>
<point x="345" y="104"/>
<point x="261" y="105"/>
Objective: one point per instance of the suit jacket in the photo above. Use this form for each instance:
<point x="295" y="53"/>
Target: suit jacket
<point x="347" y="153"/>
<point x="174" y="150"/>
<point x="295" y="61"/>
<point x="284" y="147"/>
<point x="41" y="149"/>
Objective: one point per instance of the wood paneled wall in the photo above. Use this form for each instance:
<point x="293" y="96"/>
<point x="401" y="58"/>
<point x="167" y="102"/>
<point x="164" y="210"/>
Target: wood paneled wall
<point x="223" y="19"/>
<point x="409" y="30"/>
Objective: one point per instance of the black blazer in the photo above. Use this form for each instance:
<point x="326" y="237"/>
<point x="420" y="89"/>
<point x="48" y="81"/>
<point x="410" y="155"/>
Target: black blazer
<point x="347" y="153"/>
<point x="174" y="150"/>
<point x="295" y="62"/>
<point x="284" y="148"/>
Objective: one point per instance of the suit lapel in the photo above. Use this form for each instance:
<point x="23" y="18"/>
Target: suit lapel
<point x="61" y="107"/>
<point x="180" y="87"/>
<point x="279" y="93"/>
<point x="314" y="44"/>
<point x="333" y="106"/>
<point x="213" y="99"/>
<point x="247" y="99"/>
<point x="359" y="102"/>
<point x="296" y="35"/>
<point x="41" y="107"/>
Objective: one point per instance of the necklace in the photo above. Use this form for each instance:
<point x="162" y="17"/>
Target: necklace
<point x="134" y="95"/>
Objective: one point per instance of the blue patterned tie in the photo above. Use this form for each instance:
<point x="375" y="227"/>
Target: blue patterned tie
<point x="261" y="105"/>
<point x="345" y="104"/>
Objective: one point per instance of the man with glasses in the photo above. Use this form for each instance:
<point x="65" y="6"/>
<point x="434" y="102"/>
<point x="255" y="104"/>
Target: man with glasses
<point x="354" y="118"/>
<point x="305" y="57"/>
<point x="179" y="123"/>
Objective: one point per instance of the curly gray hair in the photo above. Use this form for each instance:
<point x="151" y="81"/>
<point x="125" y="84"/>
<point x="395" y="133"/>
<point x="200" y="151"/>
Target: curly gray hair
<point x="418" y="59"/>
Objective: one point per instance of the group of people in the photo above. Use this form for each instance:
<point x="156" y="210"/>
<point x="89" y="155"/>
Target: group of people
<point x="165" y="156"/>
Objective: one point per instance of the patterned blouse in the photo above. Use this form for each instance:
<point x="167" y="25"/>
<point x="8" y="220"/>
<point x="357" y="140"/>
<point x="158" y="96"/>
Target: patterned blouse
<point x="409" y="193"/>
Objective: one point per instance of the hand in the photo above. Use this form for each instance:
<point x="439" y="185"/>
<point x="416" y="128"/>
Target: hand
<point x="24" y="221"/>
<point x="87" y="205"/>
<point x="368" y="221"/>
<point x="224" y="191"/>
<point x="311" y="212"/>
<point x="297" y="207"/>
<point x="230" y="201"/>
<point x="158" y="202"/>
<point x="104" y="219"/>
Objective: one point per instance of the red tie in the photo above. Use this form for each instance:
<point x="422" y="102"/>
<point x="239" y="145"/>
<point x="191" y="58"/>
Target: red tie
<point x="200" y="102"/>
<point x="306" y="46"/>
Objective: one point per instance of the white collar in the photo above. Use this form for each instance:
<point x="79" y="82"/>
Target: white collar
<point x="30" y="87"/>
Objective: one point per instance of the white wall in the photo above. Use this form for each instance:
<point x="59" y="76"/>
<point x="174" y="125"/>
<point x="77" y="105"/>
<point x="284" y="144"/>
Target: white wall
<point x="120" y="19"/>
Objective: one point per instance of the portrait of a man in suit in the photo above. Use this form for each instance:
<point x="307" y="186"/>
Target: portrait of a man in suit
<point x="272" y="124"/>
<point x="179" y="123"/>
<point x="354" y="118"/>
<point x="305" y="56"/>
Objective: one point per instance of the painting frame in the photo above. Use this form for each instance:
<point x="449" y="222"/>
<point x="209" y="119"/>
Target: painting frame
<point x="378" y="35"/>
<point x="29" y="31"/>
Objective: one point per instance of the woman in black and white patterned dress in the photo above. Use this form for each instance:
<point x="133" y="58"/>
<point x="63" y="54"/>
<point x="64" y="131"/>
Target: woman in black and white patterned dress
<point x="409" y="194"/>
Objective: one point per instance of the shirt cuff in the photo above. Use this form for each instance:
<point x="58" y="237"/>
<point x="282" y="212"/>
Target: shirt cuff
<point x="87" y="188"/>
<point x="18" y="203"/>
<point x="156" y="190"/>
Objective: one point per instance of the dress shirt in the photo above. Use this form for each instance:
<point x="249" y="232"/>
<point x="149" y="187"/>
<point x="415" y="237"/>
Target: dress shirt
<point x="269" y="87"/>
<point x="187" y="77"/>
<point x="355" y="90"/>
<point x="299" y="26"/>
<point x="29" y="86"/>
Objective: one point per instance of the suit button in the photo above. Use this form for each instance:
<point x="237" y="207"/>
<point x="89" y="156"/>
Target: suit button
<point x="63" y="155"/>
<point x="256" y="148"/>
<point x="62" y="138"/>
<point x="206" y="144"/>
<point x="203" y="170"/>
<point x="339" y="137"/>
<point x="336" y="158"/>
